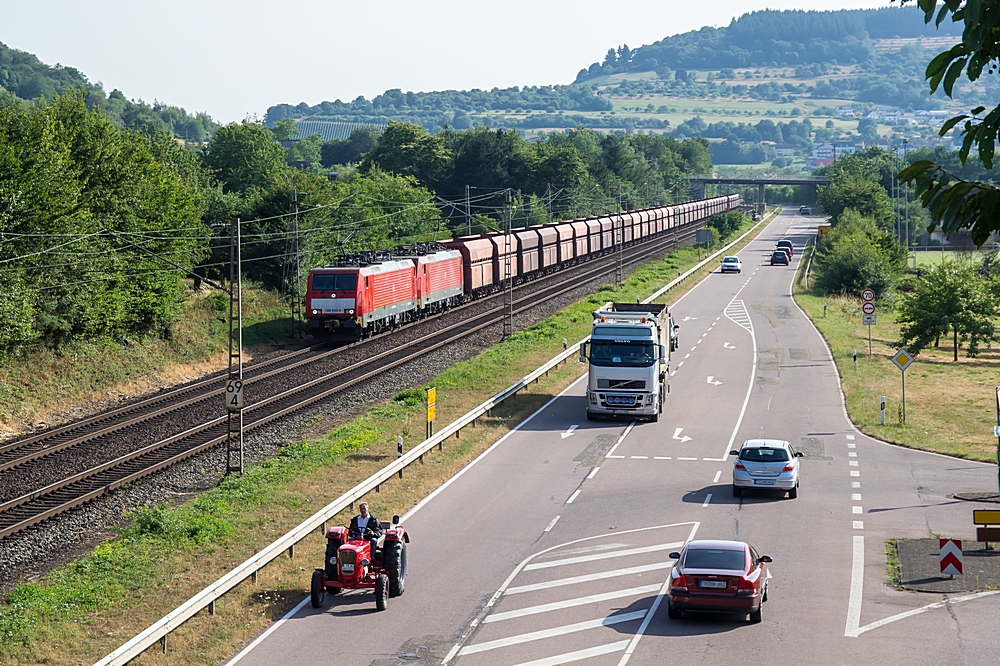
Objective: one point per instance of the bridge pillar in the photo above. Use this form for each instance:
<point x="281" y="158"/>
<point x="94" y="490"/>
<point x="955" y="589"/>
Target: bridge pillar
<point x="760" y="194"/>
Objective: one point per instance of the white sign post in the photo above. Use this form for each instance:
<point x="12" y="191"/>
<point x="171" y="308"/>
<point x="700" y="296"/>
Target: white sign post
<point x="868" y="315"/>
<point x="234" y="395"/>
<point x="902" y="359"/>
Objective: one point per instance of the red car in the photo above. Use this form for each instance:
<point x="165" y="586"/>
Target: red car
<point x="718" y="577"/>
<point x="351" y="565"/>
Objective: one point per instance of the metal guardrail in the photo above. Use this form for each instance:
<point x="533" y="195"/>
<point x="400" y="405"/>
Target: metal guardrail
<point x="206" y="598"/>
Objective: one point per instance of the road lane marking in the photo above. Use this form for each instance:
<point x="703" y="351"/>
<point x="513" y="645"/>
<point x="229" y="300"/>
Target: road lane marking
<point x="579" y="654"/>
<point x="854" y="463"/>
<point x="661" y="457"/>
<point x="681" y="438"/>
<point x="620" y="440"/>
<point x="680" y="364"/>
<point x="593" y="473"/>
<point x="753" y="376"/>
<point x="604" y="556"/>
<point x="852" y="454"/>
<point x="700" y="341"/>
<point x="687" y="458"/>
<point x="715" y="383"/>
<point x="855" y="484"/>
<point x="717" y="475"/>
<point x="693" y="348"/>
<point x="640" y="457"/>
<point x="859" y="525"/>
<point x="270" y="630"/>
<point x="850" y="437"/>
<point x="708" y="498"/>
<point x="687" y="355"/>
<point x="569" y="432"/>
<point x="852" y="446"/>
<point x="552" y="524"/>
<point x="855" y="473"/>
<point x="857" y="587"/>
<point x="856" y="509"/>
<point x="922" y="609"/>
<point x="856" y="497"/>
<point x="551" y="633"/>
<point x="649" y="616"/>
<point x="573" y="496"/>
<point x="587" y="578"/>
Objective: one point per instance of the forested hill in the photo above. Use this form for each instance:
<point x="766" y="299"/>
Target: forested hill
<point x="776" y="38"/>
<point x="24" y="77"/>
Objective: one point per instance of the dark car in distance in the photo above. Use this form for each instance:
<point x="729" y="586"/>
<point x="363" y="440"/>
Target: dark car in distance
<point x="719" y="577"/>
<point x="779" y="257"/>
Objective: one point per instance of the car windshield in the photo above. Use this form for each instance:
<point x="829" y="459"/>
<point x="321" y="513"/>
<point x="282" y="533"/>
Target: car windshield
<point x="622" y="353"/>
<point x="335" y="281"/>
<point x="730" y="260"/>
<point x="779" y="253"/>
<point x="764" y="455"/>
<point x="784" y="243"/>
<point x="715" y="558"/>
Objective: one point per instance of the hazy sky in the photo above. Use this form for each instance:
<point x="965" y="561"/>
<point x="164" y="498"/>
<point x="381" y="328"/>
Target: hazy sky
<point x="234" y="59"/>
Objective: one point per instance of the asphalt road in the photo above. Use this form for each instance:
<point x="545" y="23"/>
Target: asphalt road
<point x="553" y="547"/>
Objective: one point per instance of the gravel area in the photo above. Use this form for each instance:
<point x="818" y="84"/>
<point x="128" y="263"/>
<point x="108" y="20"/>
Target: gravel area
<point x="35" y="551"/>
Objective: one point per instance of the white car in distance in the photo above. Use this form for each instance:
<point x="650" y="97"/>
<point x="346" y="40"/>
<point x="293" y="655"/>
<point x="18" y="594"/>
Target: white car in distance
<point x="731" y="265"/>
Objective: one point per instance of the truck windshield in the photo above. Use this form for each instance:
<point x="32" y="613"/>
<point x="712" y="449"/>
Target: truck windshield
<point x="621" y="353"/>
<point x="334" y="281"/>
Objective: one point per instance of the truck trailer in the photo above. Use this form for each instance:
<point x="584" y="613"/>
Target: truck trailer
<point x="629" y="347"/>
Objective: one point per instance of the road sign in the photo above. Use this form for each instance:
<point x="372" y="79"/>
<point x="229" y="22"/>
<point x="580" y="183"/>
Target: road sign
<point x="902" y="359"/>
<point x="868" y="295"/>
<point x="868" y="320"/>
<point x="951" y="556"/>
<point x="234" y="395"/>
<point x="431" y="404"/>
<point x="988" y="534"/>
<point x="868" y="308"/>
<point x="985" y="517"/>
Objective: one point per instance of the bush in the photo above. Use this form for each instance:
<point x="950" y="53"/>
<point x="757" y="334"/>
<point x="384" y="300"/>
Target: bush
<point x="726" y="223"/>
<point x="858" y="255"/>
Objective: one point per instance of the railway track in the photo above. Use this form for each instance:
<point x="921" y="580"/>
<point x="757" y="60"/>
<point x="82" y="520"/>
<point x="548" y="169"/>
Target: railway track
<point x="67" y="493"/>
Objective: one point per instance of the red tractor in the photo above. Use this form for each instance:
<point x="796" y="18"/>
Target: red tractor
<point x="350" y="565"/>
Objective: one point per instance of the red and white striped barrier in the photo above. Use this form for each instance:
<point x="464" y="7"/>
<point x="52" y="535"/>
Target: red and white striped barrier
<point x="951" y="556"/>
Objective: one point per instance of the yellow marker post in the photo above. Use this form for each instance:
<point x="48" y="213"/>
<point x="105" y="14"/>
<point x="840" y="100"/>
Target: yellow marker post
<point x="431" y="410"/>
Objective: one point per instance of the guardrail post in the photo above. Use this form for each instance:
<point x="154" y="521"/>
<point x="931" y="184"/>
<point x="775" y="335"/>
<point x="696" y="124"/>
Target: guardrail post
<point x="378" y="487"/>
<point x="163" y="643"/>
<point x="323" y="528"/>
<point x="421" y="459"/>
<point x="211" y="607"/>
<point x="253" y="577"/>
<point x="291" y="552"/>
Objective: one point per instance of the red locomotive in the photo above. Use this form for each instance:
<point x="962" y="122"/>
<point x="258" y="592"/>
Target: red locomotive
<point x="351" y="565"/>
<point x="377" y="293"/>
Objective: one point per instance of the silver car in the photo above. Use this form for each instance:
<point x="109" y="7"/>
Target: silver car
<point x="766" y="463"/>
<point x="731" y="265"/>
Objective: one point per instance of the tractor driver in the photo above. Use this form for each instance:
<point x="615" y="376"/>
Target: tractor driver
<point x="365" y="526"/>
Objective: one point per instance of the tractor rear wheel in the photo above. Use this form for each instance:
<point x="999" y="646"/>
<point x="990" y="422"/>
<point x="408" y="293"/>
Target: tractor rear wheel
<point x="381" y="592"/>
<point x="394" y="562"/>
<point x="317" y="589"/>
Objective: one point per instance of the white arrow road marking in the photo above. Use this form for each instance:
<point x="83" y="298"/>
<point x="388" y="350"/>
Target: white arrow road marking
<point x="728" y="346"/>
<point x="710" y="378"/>
<point x="569" y="432"/>
<point x="677" y="435"/>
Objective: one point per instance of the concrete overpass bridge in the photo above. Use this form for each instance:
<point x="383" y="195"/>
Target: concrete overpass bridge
<point x="700" y="181"/>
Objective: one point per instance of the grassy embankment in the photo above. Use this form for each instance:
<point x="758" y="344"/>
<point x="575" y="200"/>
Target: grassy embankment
<point x="38" y="384"/>
<point x="949" y="405"/>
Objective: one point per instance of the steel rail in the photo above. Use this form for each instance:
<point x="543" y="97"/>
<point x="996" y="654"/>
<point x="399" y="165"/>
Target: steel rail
<point x="159" y="630"/>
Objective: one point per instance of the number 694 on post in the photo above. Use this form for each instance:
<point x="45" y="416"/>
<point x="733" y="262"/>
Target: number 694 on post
<point x="234" y="395"/>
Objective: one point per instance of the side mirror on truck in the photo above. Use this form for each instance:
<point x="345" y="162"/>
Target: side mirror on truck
<point x="583" y="352"/>
<point x="663" y="354"/>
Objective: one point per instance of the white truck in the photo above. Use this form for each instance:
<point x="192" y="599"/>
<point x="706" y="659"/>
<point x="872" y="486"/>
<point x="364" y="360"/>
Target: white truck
<point x="630" y="347"/>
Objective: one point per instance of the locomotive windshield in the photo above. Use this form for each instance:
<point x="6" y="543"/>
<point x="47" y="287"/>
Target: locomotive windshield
<point x="335" y="281"/>
<point x="622" y="353"/>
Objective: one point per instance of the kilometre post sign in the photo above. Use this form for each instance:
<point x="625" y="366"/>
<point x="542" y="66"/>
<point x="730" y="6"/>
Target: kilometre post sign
<point x="234" y="395"/>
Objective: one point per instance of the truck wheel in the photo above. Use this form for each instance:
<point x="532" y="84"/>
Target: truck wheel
<point x="317" y="589"/>
<point x="394" y="560"/>
<point x="381" y="592"/>
<point x="590" y="417"/>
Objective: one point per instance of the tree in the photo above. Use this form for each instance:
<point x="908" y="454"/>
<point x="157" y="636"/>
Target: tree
<point x="854" y="192"/>
<point x="857" y="255"/>
<point x="955" y="203"/>
<point x="868" y="129"/>
<point x="352" y="149"/>
<point x="948" y="296"/>
<point x="408" y="150"/>
<point x="244" y="156"/>
<point x="285" y="129"/>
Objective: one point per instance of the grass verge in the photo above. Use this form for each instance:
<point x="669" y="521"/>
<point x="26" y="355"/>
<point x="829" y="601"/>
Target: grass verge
<point x="949" y="405"/>
<point x="893" y="572"/>
<point x="38" y="382"/>
<point x="84" y="610"/>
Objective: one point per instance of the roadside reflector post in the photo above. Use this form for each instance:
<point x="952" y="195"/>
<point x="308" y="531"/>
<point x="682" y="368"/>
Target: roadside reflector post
<point x="882" y="408"/>
<point x="163" y="643"/>
<point x="824" y="308"/>
<point x="211" y="607"/>
<point x="997" y="433"/>
<point x="855" y="355"/>
<point x="399" y="454"/>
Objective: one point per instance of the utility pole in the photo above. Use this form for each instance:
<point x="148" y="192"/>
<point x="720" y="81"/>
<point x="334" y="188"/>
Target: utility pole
<point x="234" y="404"/>
<point x="548" y="200"/>
<point x="296" y="306"/>
<point x="621" y="244"/>
<point x="468" y="213"/>
<point x="906" y="202"/>
<point x="508" y="279"/>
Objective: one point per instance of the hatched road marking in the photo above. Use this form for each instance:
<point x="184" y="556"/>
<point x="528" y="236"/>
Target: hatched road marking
<point x="549" y="633"/>
<point x="587" y="578"/>
<point x="604" y="556"/>
<point x="578" y="655"/>
<point x="570" y="603"/>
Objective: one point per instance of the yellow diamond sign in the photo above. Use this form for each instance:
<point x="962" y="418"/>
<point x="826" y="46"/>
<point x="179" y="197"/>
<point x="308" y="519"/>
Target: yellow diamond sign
<point x="902" y="359"/>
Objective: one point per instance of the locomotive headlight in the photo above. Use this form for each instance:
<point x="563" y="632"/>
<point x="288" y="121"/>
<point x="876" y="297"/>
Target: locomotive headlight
<point x="350" y="312"/>
<point x="315" y="311"/>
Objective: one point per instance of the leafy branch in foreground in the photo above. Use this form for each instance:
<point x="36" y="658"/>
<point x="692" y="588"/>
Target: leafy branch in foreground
<point x="954" y="203"/>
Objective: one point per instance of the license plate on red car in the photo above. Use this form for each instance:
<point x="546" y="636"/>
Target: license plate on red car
<point x="714" y="584"/>
<point x="764" y="482"/>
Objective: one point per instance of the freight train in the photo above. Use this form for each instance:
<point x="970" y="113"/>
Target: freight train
<point x="370" y="293"/>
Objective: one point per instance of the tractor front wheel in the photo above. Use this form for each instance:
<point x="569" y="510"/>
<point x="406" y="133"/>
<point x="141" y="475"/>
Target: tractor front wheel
<point x="317" y="589"/>
<point x="381" y="592"/>
<point x="394" y="561"/>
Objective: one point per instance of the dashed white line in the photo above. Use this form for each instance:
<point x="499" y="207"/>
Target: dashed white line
<point x="679" y="366"/>
<point x="573" y="496"/>
<point x="855" y="473"/>
<point x="856" y="497"/>
<point x="859" y="525"/>
<point x="693" y="348"/>
<point x="853" y="463"/>
<point x="852" y="454"/>
<point x="855" y="484"/>
<point x="687" y="458"/>
<point x="857" y="509"/>
<point x="708" y="498"/>
<point x="640" y="457"/>
<point x="717" y="475"/>
<point x="552" y="524"/>
<point x="850" y="437"/>
<point x="687" y="355"/>
<point x="550" y="633"/>
<point x="593" y="473"/>
<point x="852" y="446"/>
<point x="620" y="440"/>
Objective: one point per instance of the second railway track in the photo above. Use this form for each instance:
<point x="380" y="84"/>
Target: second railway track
<point x="63" y="494"/>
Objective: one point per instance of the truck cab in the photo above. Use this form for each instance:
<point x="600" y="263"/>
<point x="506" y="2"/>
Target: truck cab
<point x="629" y="352"/>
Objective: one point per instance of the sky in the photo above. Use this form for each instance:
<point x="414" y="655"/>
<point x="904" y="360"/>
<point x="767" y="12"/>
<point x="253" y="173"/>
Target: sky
<point x="235" y="59"/>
